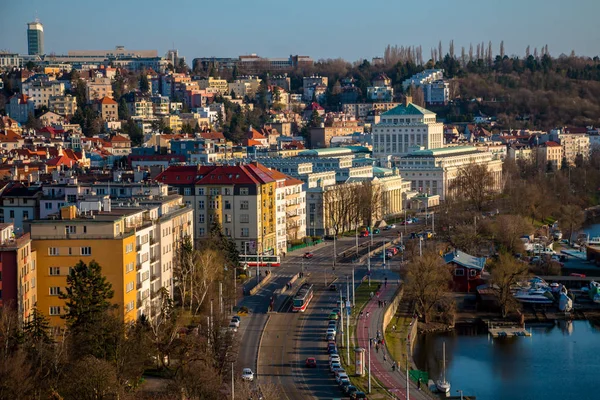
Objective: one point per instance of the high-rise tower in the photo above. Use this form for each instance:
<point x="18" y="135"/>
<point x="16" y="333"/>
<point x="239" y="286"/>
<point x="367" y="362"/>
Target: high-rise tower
<point x="35" y="38"/>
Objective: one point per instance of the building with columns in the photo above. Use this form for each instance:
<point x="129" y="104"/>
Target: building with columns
<point x="405" y="128"/>
<point x="432" y="171"/>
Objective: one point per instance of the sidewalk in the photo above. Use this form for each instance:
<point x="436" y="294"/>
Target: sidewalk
<point x="394" y="381"/>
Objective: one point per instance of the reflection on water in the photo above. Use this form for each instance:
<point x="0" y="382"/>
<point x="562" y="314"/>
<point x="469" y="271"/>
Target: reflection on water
<point x="557" y="362"/>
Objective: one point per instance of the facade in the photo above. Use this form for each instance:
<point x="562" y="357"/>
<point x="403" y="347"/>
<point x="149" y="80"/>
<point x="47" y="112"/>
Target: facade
<point x="10" y="60"/>
<point x="380" y="93"/>
<point x="35" y="38"/>
<point x="134" y="245"/>
<point x="98" y="88"/>
<point x="575" y="144"/>
<point x="405" y="128"/>
<point x="18" y="262"/>
<point x="109" y="109"/>
<point x="40" y="91"/>
<point x="219" y="85"/>
<point x="50" y="118"/>
<point x="19" y="107"/>
<point x="20" y="204"/>
<point x="295" y="209"/>
<point x="64" y="105"/>
<point x="433" y="171"/>
<point x="321" y="137"/>
<point x="141" y="109"/>
<point x="422" y="78"/>
<point x="362" y="110"/>
<point x="550" y="155"/>
<point x="437" y="92"/>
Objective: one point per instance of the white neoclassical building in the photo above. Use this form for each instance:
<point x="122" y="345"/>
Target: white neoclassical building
<point x="432" y="171"/>
<point x="404" y="128"/>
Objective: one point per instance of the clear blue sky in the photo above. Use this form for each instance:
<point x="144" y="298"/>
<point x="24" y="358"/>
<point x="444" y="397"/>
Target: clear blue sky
<point x="349" y="29"/>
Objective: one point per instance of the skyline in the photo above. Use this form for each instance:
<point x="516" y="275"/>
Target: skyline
<point x="326" y="31"/>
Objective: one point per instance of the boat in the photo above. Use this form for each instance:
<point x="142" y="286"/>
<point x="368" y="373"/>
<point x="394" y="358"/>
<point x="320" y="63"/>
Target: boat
<point x="592" y="241"/>
<point x="594" y="291"/>
<point x="538" y="292"/>
<point x="443" y="385"/>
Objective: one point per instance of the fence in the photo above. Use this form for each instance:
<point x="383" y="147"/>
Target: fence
<point x="304" y="245"/>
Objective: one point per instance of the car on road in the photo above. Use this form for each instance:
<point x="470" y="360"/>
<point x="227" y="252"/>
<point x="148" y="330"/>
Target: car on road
<point x="332" y="349"/>
<point x="308" y="254"/>
<point x="364" y="234"/>
<point x="358" y="395"/>
<point x="389" y="227"/>
<point x="407" y="222"/>
<point x="333" y="316"/>
<point x="335" y="365"/>
<point x="349" y="389"/>
<point x="237" y="318"/>
<point x="247" y="374"/>
<point x="331" y="330"/>
<point x="376" y="231"/>
<point x="233" y="327"/>
<point x="334" y="358"/>
<point x="340" y="375"/>
<point x="311" y="362"/>
<point x="235" y="322"/>
<point x="330" y="337"/>
<point x="333" y="287"/>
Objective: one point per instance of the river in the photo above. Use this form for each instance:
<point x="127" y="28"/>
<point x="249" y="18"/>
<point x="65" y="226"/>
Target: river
<point x="559" y="362"/>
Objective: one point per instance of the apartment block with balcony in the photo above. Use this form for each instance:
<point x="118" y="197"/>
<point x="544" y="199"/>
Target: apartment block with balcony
<point x="40" y="91"/>
<point x="134" y="244"/>
<point x="97" y="88"/>
<point x="64" y="105"/>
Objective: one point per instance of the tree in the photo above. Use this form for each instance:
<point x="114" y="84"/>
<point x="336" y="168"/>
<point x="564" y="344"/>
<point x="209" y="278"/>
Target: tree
<point x="427" y="283"/>
<point x="507" y="231"/>
<point x="87" y="306"/>
<point x="144" y="83"/>
<point x="571" y="217"/>
<point x="32" y="122"/>
<point x="473" y="183"/>
<point x="123" y="110"/>
<point x="91" y="378"/>
<point x="505" y="273"/>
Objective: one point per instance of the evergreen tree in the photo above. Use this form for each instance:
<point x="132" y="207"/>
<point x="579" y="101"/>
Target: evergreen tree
<point x="87" y="296"/>
<point x="144" y="83"/>
<point x="123" y="110"/>
<point x="37" y="328"/>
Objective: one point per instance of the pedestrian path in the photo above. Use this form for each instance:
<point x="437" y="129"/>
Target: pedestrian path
<point x="381" y="360"/>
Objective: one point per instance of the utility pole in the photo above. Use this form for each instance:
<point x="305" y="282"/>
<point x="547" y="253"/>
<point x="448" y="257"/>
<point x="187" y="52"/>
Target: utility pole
<point x="407" y="382"/>
<point x="369" y="264"/>
<point x="221" y="297"/>
<point x="232" y="384"/>
<point x="348" y="336"/>
<point x="353" y="303"/>
<point x="383" y="253"/>
<point x="405" y="222"/>
<point x="233" y="301"/>
<point x="334" y="250"/>
<point x="420" y="247"/>
<point x="356" y="236"/>
<point x="369" y="355"/>
<point x="342" y="316"/>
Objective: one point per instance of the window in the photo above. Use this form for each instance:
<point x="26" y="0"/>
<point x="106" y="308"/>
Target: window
<point x="129" y="306"/>
<point x="244" y="218"/>
<point x="214" y="191"/>
<point x="86" y="251"/>
<point x="71" y="198"/>
<point x="227" y="217"/>
<point x="48" y="206"/>
<point x="227" y="205"/>
<point x="201" y="231"/>
<point x="52" y="251"/>
<point x="129" y="267"/>
<point x="200" y="191"/>
<point x="187" y="191"/>
<point x="70" y="229"/>
<point x="25" y="214"/>
<point x="244" y="205"/>
<point x="54" y="271"/>
<point x="459" y="272"/>
<point x="201" y="204"/>
<point x="244" y="191"/>
<point x="11" y="213"/>
<point x="201" y="218"/>
<point x="129" y="287"/>
<point x="245" y="232"/>
<point x="129" y="248"/>
<point x="55" y="310"/>
<point x="472" y="272"/>
<point x="54" y="290"/>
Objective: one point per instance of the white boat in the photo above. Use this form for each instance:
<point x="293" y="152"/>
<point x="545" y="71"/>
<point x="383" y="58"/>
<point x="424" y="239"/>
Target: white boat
<point x="538" y="293"/>
<point x="443" y="385"/>
<point x="592" y="241"/>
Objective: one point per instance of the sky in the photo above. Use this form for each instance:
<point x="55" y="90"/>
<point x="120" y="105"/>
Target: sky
<point x="349" y="29"/>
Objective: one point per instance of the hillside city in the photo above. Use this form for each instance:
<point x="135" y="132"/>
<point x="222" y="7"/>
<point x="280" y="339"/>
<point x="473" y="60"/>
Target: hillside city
<point x="286" y="228"/>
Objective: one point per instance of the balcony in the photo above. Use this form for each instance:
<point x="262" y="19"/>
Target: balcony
<point x="152" y="241"/>
<point x="138" y="266"/>
<point x="138" y="247"/>
<point x="139" y="285"/>
<point x="154" y="294"/>
<point x="154" y="277"/>
<point x="153" y="259"/>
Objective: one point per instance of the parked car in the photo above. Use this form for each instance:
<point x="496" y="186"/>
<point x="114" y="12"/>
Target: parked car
<point x="334" y="358"/>
<point x="364" y="234"/>
<point x="358" y="395"/>
<point x="311" y="362"/>
<point x="340" y="375"/>
<point x="333" y="287"/>
<point x="247" y="374"/>
<point x="332" y="349"/>
<point x="350" y="389"/>
<point x="333" y="316"/>
<point x="376" y="231"/>
<point x="233" y="327"/>
<point x="308" y="254"/>
<point x="330" y="337"/>
<point x="334" y="366"/>
<point x="235" y="322"/>
<point x="388" y="227"/>
<point x="237" y="318"/>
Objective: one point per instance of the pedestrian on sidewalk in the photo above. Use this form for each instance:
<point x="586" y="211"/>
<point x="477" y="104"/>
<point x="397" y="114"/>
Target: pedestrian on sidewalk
<point x="384" y="357"/>
<point x="367" y="314"/>
<point x="382" y="342"/>
<point x="419" y="384"/>
<point x="393" y="367"/>
<point x="377" y="348"/>
<point x="371" y="294"/>
<point x="385" y="303"/>
<point x="361" y="314"/>
<point x="393" y="328"/>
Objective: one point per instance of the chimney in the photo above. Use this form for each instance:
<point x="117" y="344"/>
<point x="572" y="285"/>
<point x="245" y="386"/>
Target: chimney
<point x="407" y="100"/>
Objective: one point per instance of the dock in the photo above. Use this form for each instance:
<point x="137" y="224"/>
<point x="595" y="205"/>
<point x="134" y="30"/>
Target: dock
<point x="581" y="255"/>
<point x="508" y="331"/>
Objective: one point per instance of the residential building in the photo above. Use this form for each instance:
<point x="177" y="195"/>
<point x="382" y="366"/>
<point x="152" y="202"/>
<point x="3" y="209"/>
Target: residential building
<point x="422" y="78"/>
<point x="245" y="86"/>
<point x="141" y="108"/>
<point x="436" y="92"/>
<point x="120" y="145"/>
<point x="219" y="85"/>
<point x="404" y="128"/>
<point x="134" y="245"/>
<point x="312" y="81"/>
<point x="380" y="93"/>
<point x="321" y="137"/>
<point x="241" y="198"/>
<point x="17" y="272"/>
<point x="173" y="122"/>
<point x="550" y="155"/>
<point x="160" y="105"/>
<point x="40" y="91"/>
<point x="295" y="209"/>
<point x="467" y="270"/>
<point x="64" y="105"/>
<point x="575" y="143"/>
<point x="19" y="107"/>
<point x="283" y="81"/>
<point x="20" y="204"/>
<point x="432" y="171"/>
<point x="362" y="110"/>
<point x="98" y="88"/>
<point x="50" y="118"/>
<point x="35" y="38"/>
<point x="109" y="109"/>
<point x="10" y="60"/>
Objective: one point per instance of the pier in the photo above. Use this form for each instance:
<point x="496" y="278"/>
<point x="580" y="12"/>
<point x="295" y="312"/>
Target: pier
<point x="498" y="330"/>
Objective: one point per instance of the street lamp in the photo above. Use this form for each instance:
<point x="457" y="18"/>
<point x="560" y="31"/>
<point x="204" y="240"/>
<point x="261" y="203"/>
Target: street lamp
<point x="461" y="393"/>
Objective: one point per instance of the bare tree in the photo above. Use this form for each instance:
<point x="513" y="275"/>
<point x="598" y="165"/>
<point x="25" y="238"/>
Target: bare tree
<point x="427" y="283"/>
<point x="473" y="183"/>
<point x="505" y="273"/>
<point x="463" y="56"/>
<point x="451" y="49"/>
<point x="490" y="56"/>
<point x="440" y="53"/>
<point x="527" y="51"/>
<point x="418" y="97"/>
<point x="502" y="49"/>
<point x="507" y="232"/>
<point x="471" y="52"/>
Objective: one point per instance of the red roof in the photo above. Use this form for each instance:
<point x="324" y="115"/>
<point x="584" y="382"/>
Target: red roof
<point x="107" y="100"/>
<point x="212" y="135"/>
<point x="252" y="142"/>
<point x="9" y="136"/>
<point x="61" y="160"/>
<point x="315" y="106"/>
<point x="254" y="134"/>
<point x="214" y="175"/>
<point x="119" y="138"/>
<point x="552" y="144"/>
<point x="178" y="175"/>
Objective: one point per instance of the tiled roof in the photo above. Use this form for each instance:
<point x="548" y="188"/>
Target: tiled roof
<point x="178" y="175"/>
<point x="315" y="106"/>
<point x="107" y="100"/>
<point x="552" y="144"/>
<point x="9" y="136"/>
<point x="212" y="135"/>
<point x="119" y="138"/>
<point x="254" y="134"/>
